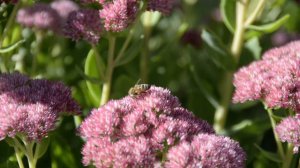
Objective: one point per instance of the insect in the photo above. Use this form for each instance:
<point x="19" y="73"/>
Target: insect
<point x="137" y="89"/>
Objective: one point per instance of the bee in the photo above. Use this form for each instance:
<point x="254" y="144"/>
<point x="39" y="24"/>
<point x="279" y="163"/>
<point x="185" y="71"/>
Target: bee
<point x="137" y="89"/>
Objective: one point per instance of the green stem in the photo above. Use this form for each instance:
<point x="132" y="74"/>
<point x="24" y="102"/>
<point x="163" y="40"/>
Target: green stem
<point x="10" y="22"/>
<point x="254" y="14"/>
<point x="37" y="50"/>
<point x="222" y="108"/>
<point x="19" y="157"/>
<point x="237" y="44"/>
<point x="124" y="47"/>
<point x="144" y="62"/>
<point x="288" y="156"/>
<point x="273" y="124"/>
<point x="30" y="155"/>
<point x="8" y="27"/>
<point x="109" y="71"/>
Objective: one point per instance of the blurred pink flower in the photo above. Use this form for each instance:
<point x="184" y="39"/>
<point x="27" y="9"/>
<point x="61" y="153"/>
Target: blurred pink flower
<point x="40" y="16"/>
<point x="64" y="7"/>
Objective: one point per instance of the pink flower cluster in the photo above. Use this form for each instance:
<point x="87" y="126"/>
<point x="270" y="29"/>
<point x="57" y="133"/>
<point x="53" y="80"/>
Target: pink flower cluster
<point x="206" y="151"/>
<point x="275" y="79"/>
<point x="47" y="17"/>
<point x="140" y="131"/>
<point x="31" y="107"/>
<point x="119" y="14"/>
<point x="288" y="130"/>
<point x="64" y="16"/>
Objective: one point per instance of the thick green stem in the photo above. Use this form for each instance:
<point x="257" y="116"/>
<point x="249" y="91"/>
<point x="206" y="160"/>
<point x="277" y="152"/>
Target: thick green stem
<point x="222" y="108"/>
<point x="288" y="156"/>
<point x="19" y="157"/>
<point x="273" y="124"/>
<point x="109" y="71"/>
<point x="237" y="44"/>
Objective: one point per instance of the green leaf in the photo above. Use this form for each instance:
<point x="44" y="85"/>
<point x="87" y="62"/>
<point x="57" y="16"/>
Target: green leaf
<point x="10" y="142"/>
<point x="217" y="51"/>
<point x="11" y="47"/>
<point x="61" y="154"/>
<point x="270" y="27"/>
<point x="228" y="13"/>
<point x="254" y="47"/>
<point x="272" y="156"/>
<point x="277" y="118"/>
<point x="91" y="69"/>
<point x="42" y="147"/>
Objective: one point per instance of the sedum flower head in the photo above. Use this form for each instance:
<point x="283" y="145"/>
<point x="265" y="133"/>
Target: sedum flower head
<point x="288" y="130"/>
<point x="274" y="79"/>
<point x="119" y="14"/>
<point x="31" y="107"/>
<point x="84" y="24"/>
<point x="40" y="16"/>
<point x="134" y="130"/>
<point x="206" y="150"/>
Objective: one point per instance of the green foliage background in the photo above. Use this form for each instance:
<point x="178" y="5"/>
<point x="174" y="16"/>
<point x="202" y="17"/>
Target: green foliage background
<point x="192" y="74"/>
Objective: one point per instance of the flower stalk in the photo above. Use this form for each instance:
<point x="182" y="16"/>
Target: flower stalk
<point x="109" y="72"/>
<point x="237" y="44"/>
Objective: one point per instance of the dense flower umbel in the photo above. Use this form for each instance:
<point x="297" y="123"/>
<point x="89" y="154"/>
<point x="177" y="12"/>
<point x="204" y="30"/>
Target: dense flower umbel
<point x="84" y="24"/>
<point x="206" y="151"/>
<point x="40" y="16"/>
<point x="289" y="131"/>
<point x="137" y="131"/>
<point x="30" y="107"/>
<point x="132" y="131"/>
<point x="118" y="14"/>
<point x="275" y="79"/>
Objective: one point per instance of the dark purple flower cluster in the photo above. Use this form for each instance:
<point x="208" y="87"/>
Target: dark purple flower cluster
<point x="140" y="131"/>
<point x="192" y="37"/>
<point x="9" y="1"/>
<point x="46" y="16"/>
<point x="31" y="107"/>
<point x="84" y="24"/>
<point x="163" y="6"/>
<point x="275" y="79"/>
